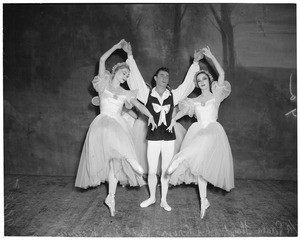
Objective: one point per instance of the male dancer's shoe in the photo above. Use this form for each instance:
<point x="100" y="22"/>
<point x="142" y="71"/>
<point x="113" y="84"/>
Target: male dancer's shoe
<point x="110" y="202"/>
<point x="147" y="202"/>
<point x="166" y="206"/>
<point x="204" y="205"/>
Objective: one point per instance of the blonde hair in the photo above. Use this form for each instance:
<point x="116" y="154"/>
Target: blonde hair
<point x="119" y="66"/>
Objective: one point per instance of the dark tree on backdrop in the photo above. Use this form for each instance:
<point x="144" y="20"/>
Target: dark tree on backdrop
<point x="225" y="27"/>
<point x="223" y="14"/>
<point x="179" y="12"/>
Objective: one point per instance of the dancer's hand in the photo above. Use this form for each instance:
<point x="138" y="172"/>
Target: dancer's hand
<point x="127" y="48"/>
<point x="198" y="55"/>
<point x="151" y="121"/>
<point x="120" y="44"/>
<point x="206" y="51"/>
<point x="170" y="128"/>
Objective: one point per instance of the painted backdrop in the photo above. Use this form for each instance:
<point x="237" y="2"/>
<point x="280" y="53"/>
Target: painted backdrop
<point x="51" y="54"/>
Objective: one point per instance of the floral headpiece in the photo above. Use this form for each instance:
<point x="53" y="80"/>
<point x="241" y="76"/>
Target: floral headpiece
<point x="205" y="72"/>
<point x="119" y="65"/>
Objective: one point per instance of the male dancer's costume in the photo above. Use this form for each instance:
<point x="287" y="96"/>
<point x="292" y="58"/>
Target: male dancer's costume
<point x="160" y="140"/>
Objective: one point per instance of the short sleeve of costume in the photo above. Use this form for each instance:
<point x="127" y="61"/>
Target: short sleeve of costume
<point x="221" y="92"/>
<point x="130" y="95"/>
<point x="100" y="83"/>
<point x="188" y="105"/>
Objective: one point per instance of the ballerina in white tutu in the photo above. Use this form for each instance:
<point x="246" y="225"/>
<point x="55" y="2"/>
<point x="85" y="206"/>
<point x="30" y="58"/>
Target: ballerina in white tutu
<point x="108" y="153"/>
<point x="205" y="154"/>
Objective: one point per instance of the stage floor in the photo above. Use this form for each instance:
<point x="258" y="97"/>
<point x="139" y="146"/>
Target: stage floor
<point x="52" y="206"/>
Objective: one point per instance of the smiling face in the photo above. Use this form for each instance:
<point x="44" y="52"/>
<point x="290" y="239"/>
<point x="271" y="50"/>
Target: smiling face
<point x="162" y="78"/>
<point x="202" y="81"/>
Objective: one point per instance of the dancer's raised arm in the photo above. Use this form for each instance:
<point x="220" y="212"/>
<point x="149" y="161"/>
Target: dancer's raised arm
<point x="106" y="55"/>
<point x="206" y="51"/>
<point x="188" y="84"/>
<point x="136" y="80"/>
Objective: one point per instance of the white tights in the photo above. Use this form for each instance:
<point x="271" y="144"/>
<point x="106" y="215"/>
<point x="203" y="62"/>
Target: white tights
<point x="202" y="184"/>
<point x="112" y="181"/>
<point x="166" y="148"/>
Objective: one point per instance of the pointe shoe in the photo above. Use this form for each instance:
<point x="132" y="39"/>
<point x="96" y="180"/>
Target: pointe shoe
<point x="166" y="206"/>
<point x="147" y="203"/>
<point x="174" y="166"/>
<point x="204" y="205"/>
<point x="140" y="170"/>
<point x="137" y="168"/>
<point x="110" y="202"/>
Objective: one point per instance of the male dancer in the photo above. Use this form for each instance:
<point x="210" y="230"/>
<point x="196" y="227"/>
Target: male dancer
<point x="160" y="102"/>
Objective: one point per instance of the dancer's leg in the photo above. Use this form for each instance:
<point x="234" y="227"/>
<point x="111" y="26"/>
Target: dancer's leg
<point x="112" y="186"/>
<point x="202" y="184"/>
<point x="167" y="154"/>
<point x="153" y="151"/>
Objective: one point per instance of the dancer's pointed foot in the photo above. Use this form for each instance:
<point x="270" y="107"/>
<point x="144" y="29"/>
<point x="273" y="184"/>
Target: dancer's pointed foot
<point x="174" y="165"/>
<point x="110" y="202"/>
<point x="139" y="170"/>
<point x="166" y="206"/>
<point x="204" y="205"/>
<point x="136" y="167"/>
<point x="147" y="202"/>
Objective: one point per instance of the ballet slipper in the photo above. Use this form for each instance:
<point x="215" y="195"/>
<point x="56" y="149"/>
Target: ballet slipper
<point x="147" y="202"/>
<point x="204" y="205"/>
<point x="110" y="202"/>
<point x="166" y="206"/>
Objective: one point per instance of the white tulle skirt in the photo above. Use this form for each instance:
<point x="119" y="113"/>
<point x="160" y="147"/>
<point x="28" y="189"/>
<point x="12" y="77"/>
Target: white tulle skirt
<point x="108" y="139"/>
<point x="140" y="132"/>
<point x="205" y="152"/>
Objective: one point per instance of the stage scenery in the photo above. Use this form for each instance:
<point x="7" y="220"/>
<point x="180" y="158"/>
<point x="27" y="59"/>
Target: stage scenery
<point x="150" y="120"/>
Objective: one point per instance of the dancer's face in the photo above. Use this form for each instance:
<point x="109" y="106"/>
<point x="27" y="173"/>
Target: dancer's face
<point x="122" y="75"/>
<point x="162" y="78"/>
<point x="203" y="81"/>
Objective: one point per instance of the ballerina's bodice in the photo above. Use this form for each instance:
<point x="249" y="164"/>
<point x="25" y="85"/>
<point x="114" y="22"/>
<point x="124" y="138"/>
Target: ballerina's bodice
<point x="111" y="104"/>
<point x="208" y="112"/>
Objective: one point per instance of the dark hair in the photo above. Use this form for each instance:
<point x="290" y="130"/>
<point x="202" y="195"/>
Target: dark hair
<point x="161" y="69"/>
<point x="153" y="82"/>
<point x="210" y="78"/>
